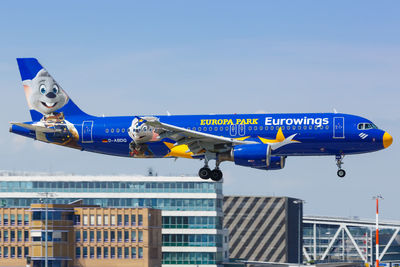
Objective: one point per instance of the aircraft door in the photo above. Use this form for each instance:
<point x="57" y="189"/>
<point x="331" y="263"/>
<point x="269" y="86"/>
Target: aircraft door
<point x="242" y="129"/>
<point x="87" y="132"/>
<point x="338" y="127"/>
<point x="233" y="130"/>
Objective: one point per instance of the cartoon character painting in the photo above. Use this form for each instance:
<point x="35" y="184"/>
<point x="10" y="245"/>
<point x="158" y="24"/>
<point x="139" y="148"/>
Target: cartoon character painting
<point x="141" y="134"/>
<point x="46" y="96"/>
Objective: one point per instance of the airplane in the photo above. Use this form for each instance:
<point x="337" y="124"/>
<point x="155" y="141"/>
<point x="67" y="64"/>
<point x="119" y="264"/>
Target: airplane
<point x="261" y="141"/>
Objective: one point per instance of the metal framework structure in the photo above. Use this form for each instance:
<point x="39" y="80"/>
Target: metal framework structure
<point x="343" y="239"/>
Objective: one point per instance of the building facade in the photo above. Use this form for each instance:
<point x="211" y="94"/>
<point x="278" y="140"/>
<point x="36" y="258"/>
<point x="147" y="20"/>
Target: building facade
<point x="68" y="236"/>
<point x="263" y="229"/>
<point x="192" y="232"/>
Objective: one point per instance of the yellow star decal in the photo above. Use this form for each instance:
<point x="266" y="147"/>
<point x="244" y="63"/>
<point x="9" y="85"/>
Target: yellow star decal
<point x="279" y="138"/>
<point x="178" y="151"/>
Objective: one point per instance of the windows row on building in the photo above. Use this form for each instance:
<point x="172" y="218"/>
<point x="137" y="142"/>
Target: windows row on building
<point x="109" y="252"/>
<point x="13" y="252"/>
<point x="157" y="203"/>
<point x="111" y="187"/>
<point x="108" y="236"/>
<point x="14" y="217"/>
<point x="192" y="222"/>
<point x="8" y="235"/>
<point x="191" y="257"/>
<point x="191" y="240"/>
<point x="109" y="219"/>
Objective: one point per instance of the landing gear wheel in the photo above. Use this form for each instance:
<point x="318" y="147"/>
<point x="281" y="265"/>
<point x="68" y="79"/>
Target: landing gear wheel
<point x="216" y="175"/>
<point x="205" y="173"/>
<point x="341" y="173"/>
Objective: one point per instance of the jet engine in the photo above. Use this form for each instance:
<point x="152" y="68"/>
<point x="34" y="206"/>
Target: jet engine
<point x="255" y="156"/>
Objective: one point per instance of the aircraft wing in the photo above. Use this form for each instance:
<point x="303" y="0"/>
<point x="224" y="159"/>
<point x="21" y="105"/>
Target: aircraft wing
<point x="195" y="140"/>
<point x="36" y="128"/>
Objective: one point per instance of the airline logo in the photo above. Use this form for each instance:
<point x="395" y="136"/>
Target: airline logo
<point x="363" y="135"/>
<point x="296" y="121"/>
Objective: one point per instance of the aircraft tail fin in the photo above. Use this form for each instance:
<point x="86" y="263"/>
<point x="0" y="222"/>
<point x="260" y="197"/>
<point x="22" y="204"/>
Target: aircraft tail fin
<point x="43" y="94"/>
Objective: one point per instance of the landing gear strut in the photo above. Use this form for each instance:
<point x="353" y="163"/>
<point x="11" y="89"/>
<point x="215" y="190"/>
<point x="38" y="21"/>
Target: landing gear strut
<point x="339" y="161"/>
<point x="206" y="173"/>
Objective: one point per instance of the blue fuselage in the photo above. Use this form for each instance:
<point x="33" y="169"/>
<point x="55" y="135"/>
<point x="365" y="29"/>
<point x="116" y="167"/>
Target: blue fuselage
<point x="315" y="133"/>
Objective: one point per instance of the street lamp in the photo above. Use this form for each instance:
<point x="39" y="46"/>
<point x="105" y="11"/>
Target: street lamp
<point x="46" y="196"/>
<point x="377" y="197"/>
<point x="300" y="203"/>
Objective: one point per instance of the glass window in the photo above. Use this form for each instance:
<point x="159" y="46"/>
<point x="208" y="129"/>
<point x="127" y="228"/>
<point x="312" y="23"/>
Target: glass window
<point x="119" y="216"/>
<point x="105" y="219"/>
<point x="85" y="236"/>
<point x="140" y="253"/>
<point x="105" y="252"/>
<point x="98" y="252"/>
<point x="140" y="236"/>
<point x="19" y="220"/>
<point x="5" y="252"/>
<point x="19" y="236"/>
<point x="126" y="236"/>
<point x="112" y="236"/>
<point x="133" y="236"/>
<point x="98" y="236"/>
<point x="84" y="252"/>
<point x="91" y="252"/>
<point x="91" y="236"/>
<point x="112" y="219"/>
<point x="140" y="219"/>
<point x="12" y="220"/>
<point x="119" y="235"/>
<point x="112" y="252"/>
<point x="133" y="253"/>
<point x="98" y="219"/>
<point x="105" y="233"/>
<point x="91" y="219"/>
<point x="126" y="219"/>
<point x="126" y="253"/>
<point x="26" y="235"/>
<point x="119" y="252"/>
<point x="133" y="219"/>
<point x="77" y="236"/>
<point x="26" y="251"/>
<point x="85" y="220"/>
<point x="77" y="252"/>
<point x="26" y="219"/>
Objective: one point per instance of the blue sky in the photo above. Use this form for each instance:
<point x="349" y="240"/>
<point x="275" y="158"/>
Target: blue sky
<point x="131" y="57"/>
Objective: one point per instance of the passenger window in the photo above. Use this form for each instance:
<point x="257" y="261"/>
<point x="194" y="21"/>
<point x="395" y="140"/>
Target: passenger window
<point x="123" y="130"/>
<point x="210" y="129"/>
<point x="266" y="127"/>
<point x="368" y="126"/>
<point x="221" y="128"/>
<point x="205" y="128"/>
<point x="250" y="128"/>
<point x="216" y="129"/>
<point x="360" y="126"/>
<point x="255" y="128"/>
<point x="117" y="130"/>
<point x="107" y="130"/>
<point x="112" y="130"/>
<point x="199" y="129"/>
<point x="305" y="127"/>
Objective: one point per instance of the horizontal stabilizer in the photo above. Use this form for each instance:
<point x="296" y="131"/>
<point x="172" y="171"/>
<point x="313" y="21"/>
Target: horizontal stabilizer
<point x="36" y="128"/>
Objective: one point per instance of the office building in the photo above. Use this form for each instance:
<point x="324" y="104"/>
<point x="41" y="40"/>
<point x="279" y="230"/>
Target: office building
<point x="263" y="229"/>
<point x="76" y="235"/>
<point x="192" y="232"/>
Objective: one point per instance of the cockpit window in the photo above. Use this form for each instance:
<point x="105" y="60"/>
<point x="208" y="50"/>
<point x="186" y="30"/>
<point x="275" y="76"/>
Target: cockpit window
<point x="366" y="126"/>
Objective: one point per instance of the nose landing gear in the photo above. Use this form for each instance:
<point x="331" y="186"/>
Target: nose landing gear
<point x="339" y="161"/>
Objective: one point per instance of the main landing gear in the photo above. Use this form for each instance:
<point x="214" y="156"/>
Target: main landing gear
<point x="339" y="161"/>
<point x="206" y="173"/>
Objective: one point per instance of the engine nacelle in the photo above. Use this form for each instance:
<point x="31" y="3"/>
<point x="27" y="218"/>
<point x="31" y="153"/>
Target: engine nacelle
<point x="257" y="156"/>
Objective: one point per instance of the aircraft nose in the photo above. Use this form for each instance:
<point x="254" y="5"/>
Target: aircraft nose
<point x="387" y="140"/>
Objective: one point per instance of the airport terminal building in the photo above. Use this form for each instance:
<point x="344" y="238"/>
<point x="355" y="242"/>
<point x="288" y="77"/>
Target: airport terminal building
<point x="192" y="216"/>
